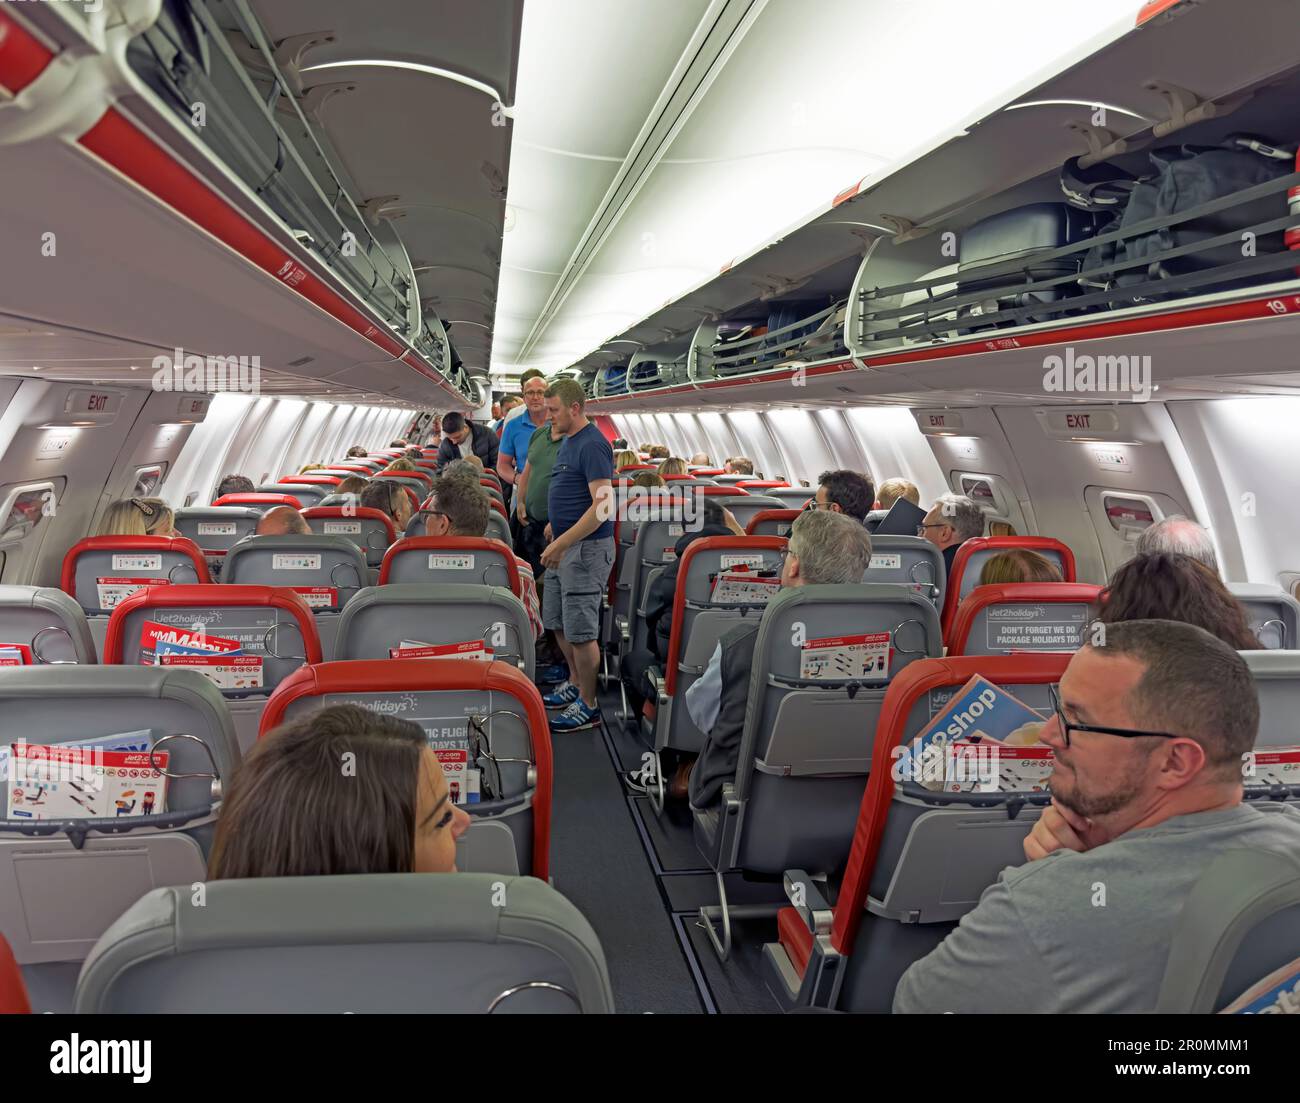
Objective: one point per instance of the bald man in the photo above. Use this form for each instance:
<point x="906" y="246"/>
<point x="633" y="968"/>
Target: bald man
<point x="282" y="521"/>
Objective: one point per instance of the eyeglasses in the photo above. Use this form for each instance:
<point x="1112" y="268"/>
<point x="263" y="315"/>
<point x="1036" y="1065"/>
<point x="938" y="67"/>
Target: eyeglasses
<point x="1123" y="733"/>
<point x="920" y="529"/>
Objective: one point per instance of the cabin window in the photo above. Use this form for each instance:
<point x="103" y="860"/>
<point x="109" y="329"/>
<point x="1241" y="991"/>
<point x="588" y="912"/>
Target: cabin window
<point x="25" y="507"/>
<point x="148" y="480"/>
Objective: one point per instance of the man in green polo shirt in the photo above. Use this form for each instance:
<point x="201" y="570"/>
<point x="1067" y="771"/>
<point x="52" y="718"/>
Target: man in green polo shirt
<point x="531" y="491"/>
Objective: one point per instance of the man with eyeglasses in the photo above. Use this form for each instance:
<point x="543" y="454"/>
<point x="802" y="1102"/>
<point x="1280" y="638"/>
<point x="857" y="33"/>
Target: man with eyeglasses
<point x="1151" y="733"/>
<point x="952" y="520"/>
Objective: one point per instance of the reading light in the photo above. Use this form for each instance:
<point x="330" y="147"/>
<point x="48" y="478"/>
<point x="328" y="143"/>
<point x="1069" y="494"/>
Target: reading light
<point x="416" y="67"/>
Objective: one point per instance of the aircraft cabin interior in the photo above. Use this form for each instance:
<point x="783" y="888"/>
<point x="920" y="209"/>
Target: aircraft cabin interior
<point x="706" y="507"/>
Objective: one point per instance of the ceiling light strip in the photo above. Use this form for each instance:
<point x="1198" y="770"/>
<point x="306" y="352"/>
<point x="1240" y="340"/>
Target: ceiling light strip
<point x="716" y="38"/>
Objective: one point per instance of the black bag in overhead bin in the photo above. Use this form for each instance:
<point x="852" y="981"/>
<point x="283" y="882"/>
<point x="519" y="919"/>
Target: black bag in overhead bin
<point x="1185" y="177"/>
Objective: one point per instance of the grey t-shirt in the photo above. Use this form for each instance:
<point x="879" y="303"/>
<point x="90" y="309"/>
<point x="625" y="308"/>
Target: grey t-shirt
<point x="1085" y="932"/>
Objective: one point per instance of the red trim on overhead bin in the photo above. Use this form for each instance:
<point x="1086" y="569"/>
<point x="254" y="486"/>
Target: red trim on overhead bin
<point x="847" y="194"/>
<point x="1038" y="593"/>
<point x="119" y="143"/>
<point x="904" y="691"/>
<point x="1152" y="8"/>
<point x="22" y="57"/>
<point x="433" y="675"/>
<point x="793" y="933"/>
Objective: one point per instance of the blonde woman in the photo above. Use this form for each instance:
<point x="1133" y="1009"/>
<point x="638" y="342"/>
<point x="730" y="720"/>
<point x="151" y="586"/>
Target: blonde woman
<point x="625" y="459"/>
<point x="401" y="465"/>
<point x="138" y="517"/>
<point x="675" y="465"/>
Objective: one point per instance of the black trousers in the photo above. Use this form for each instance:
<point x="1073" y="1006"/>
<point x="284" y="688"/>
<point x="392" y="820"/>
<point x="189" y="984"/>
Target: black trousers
<point x="529" y="544"/>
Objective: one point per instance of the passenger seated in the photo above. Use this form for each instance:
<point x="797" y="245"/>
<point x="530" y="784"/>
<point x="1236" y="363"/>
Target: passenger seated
<point x="893" y="489"/>
<point x="674" y="465"/>
<point x="415" y="453"/>
<point x="400" y="442"/>
<point x="341" y="790"/>
<point x="619" y="444"/>
<point x="388" y="497"/>
<point x="234" y="484"/>
<point x="138" y="517"/>
<point x="357" y="452"/>
<point x="1019" y="566"/>
<point x="459" y="507"/>
<point x="659" y="605"/>
<point x="701" y="459"/>
<point x="282" y="521"/>
<point x="739" y="465"/>
<point x="952" y="520"/>
<point x="1176" y="587"/>
<point x="659" y="451"/>
<point x="353" y="484"/>
<point x="846" y="492"/>
<point x="625" y="459"/>
<point x="1149" y="734"/>
<point x="1181" y="536"/>
<point x="824" y="548"/>
<point x="400" y="465"/>
<point x="648" y="480"/>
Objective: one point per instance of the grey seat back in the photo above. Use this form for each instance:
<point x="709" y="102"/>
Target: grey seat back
<point x="309" y="494"/>
<point x="48" y="622"/>
<point x="1240" y="924"/>
<point x="419" y="486"/>
<point x="703" y="624"/>
<point x="791" y="497"/>
<point x="381" y="617"/>
<point x="167" y="565"/>
<point x="1021" y="625"/>
<point x="657" y="534"/>
<point x="1277" y="680"/>
<point x="367" y="533"/>
<point x="327" y="570"/>
<point x="498" y="528"/>
<point x="271" y="632"/>
<point x="56" y="897"/>
<point x="461" y="943"/>
<point x="1274" y="615"/>
<point x="811" y="717"/>
<point x="477" y="566"/>
<point x="975" y="564"/>
<point x="216" y="529"/>
<point x="911" y="561"/>
<point x="743" y="509"/>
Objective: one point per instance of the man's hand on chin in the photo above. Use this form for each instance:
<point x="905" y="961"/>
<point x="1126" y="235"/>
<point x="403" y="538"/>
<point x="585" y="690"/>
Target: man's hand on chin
<point x="1059" y="827"/>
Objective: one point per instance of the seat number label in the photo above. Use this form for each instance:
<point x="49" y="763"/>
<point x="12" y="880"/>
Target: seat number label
<point x="286" y="562"/>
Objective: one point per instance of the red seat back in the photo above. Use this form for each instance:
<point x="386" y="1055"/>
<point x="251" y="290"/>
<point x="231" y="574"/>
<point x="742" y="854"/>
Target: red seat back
<point x="310" y="480"/>
<point x="983" y="547"/>
<point x="1036" y="594"/>
<point x="260" y="501"/>
<point x="434" y="675"/>
<point x="13" y="991"/>
<point x="773" y="519"/>
<point x="762" y="484"/>
<point x="131" y="546"/>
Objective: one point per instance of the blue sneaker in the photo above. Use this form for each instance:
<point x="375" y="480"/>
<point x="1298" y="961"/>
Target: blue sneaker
<point x="550" y="675"/>
<point x="575" y="718"/>
<point x="564" y="694"/>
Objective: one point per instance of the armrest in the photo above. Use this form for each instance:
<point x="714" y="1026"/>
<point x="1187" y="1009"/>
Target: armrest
<point x="806" y="898"/>
<point x="624" y="628"/>
<point x="656" y="678"/>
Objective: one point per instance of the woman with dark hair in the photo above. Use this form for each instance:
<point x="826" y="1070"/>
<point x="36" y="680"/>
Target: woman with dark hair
<point x="1163" y="586"/>
<point x="342" y="790"/>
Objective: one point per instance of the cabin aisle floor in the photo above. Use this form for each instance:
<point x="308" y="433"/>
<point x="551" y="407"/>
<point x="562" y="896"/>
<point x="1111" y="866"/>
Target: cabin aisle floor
<point x="639" y="880"/>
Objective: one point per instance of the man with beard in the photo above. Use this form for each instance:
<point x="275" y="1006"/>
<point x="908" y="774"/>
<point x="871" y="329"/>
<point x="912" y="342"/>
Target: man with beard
<point x="1150" y="733"/>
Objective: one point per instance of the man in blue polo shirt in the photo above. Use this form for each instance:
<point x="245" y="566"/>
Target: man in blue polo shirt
<point x="515" y="434"/>
<point x="581" y="552"/>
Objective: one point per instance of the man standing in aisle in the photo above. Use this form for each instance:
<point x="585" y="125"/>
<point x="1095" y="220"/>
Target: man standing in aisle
<point x="515" y="434"/>
<point x="581" y="552"/>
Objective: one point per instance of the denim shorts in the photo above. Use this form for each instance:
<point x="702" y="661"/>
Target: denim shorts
<point x="571" y="593"/>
